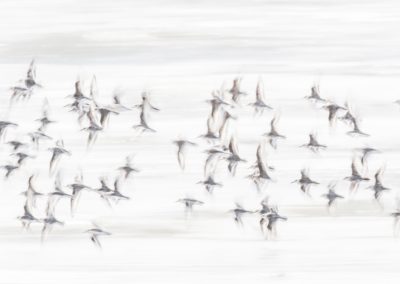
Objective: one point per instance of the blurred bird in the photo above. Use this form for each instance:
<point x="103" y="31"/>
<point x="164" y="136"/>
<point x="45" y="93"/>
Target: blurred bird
<point x="313" y="144"/>
<point x="332" y="195"/>
<point x="305" y="182"/>
<point x="259" y="105"/>
<point x="182" y="147"/>
<point x="273" y="133"/>
<point x="95" y="233"/>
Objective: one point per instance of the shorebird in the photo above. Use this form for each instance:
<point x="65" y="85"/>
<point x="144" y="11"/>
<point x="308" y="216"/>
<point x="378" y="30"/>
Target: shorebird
<point x="57" y="152"/>
<point x="259" y="105"/>
<point x="333" y="109"/>
<point x="313" y="144"/>
<point x="265" y="207"/>
<point x="21" y="157"/>
<point x="181" y="153"/>
<point x="189" y="203"/>
<point x="261" y="169"/>
<point x="27" y="218"/>
<point x="44" y="120"/>
<point x="104" y="190"/>
<point x="315" y="96"/>
<point x="95" y="233"/>
<point x="116" y="195"/>
<point x="117" y="102"/>
<point x="348" y="117"/>
<point x="216" y="103"/>
<point x="355" y="177"/>
<point x="223" y="131"/>
<point x="10" y="168"/>
<point x="143" y="126"/>
<point x="268" y="222"/>
<point x="235" y="90"/>
<point x="356" y="130"/>
<point x="233" y="158"/>
<point x="19" y="92"/>
<point x="331" y="195"/>
<point x="210" y="183"/>
<point x="273" y="133"/>
<point x="4" y="125"/>
<point x="378" y="188"/>
<point x="48" y="224"/>
<point x="305" y="181"/>
<point x="31" y="194"/>
<point x="128" y="169"/>
<point x="238" y="212"/>
<point x="93" y="129"/>
<point x="145" y="104"/>
<point x="211" y="135"/>
<point x="77" y="188"/>
<point x="56" y="195"/>
<point x="105" y="112"/>
<point x="38" y="136"/>
<point x="30" y="80"/>
<point x="366" y="153"/>
<point x="214" y="156"/>
<point x="15" y="144"/>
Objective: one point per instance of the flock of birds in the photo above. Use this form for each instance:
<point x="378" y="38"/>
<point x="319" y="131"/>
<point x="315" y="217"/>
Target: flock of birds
<point x="222" y="147"/>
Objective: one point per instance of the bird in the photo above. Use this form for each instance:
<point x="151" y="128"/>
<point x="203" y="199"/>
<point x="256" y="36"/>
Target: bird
<point x="356" y="130"/>
<point x="315" y="95"/>
<point x="30" y="80"/>
<point x="216" y="103"/>
<point x="93" y="129"/>
<point x="56" y="195"/>
<point x="238" y="213"/>
<point x="273" y="133"/>
<point x="305" y="181"/>
<point x="27" y="218"/>
<point x="143" y="126"/>
<point x="259" y="105"/>
<point x="211" y="135"/>
<point x="189" y="203"/>
<point x="366" y="153"/>
<point x="261" y="175"/>
<point x="215" y="154"/>
<point x="313" y="144"/>
<point x="378" y="188"/>
<point x="332" y="195"/>
<point x="31" y="194"/>
<point x="333" y="109"/>
<point x="95" y="233"/>
<point x="223" y="131"/>
<point x="116" y="195"/>
<point x="210" y="183"/>
<point x="105" y="112"/>
<point x="233" y="158"/>
<point x="4" y="125"/>
<point x="181" y="153"/>
<point x="37" y="136"/>
<point x="77" y="188"/>
<point x="268" y="222"/>
<point x="45" y="120"/>
<point x="15" y="144"/>
<point x="235" y="90"/>
<point x="117" y="105"/>
<point x="48" y="224"/>
<point x="355" y="177"/>
<point x="21" y="157"/>
<point x="57" y="152"/>
<point x="9" y="168"/>
<point x="128" y="169"/>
